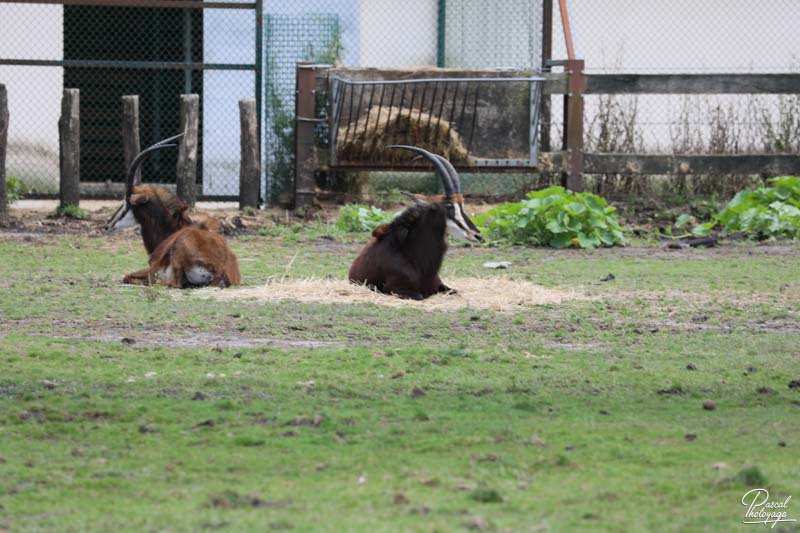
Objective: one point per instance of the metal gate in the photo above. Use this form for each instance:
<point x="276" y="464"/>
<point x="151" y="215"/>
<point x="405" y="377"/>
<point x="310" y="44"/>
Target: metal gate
<point x="158" y="49"/>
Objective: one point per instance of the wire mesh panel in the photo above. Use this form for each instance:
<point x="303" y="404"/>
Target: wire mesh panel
<point x="115" y="47"/>
<point x="480" y="34"/>
<point x="290" y="39"/>
<point x="483" y="121"/>
<point x="686" y="36"/>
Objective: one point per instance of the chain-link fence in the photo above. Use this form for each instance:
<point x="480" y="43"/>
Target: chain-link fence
<point x="159" y="51"/>
<point x="687" y="37"/>
<point x="107" y="51"/>
<point x="384" y="34"/>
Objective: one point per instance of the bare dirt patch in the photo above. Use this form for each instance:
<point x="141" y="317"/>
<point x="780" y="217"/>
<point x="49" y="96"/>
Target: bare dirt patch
<point x="496" y="293"/>
<point x="198" y="340"/>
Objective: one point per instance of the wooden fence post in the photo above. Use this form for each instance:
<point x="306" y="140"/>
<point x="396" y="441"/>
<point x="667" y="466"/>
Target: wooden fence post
<point x="130" y="133"/>
<point x="187" y="148"/>
<point x="573" y="124"/>
<point x="69" y="136"/>
<point x="3" y="145"/>
<point x="250" y="165"/>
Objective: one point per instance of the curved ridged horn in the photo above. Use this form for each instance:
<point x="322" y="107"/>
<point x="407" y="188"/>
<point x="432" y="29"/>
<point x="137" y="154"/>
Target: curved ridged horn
<point x="453" y="173"/>
<point x="137" y="161"/>
<point x="440" y="168"/>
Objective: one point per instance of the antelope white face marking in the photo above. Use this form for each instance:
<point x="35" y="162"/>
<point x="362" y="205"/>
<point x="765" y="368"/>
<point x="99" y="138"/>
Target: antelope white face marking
<point x="458" y="227"/>
<point x="123" y="219"/>
<point x="198" y="275"/>
<point x="456" y="231"/>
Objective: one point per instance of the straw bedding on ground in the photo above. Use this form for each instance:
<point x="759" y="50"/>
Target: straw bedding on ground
<point x="497" y="293"/>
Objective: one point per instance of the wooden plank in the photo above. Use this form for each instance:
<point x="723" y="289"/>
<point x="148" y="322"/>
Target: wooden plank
<point x="637" y="164"/>
<point x="573" y="127"/>
<point x="693" y="83"/>
<point x="130" y="133"/>
<point x="556" y="83"/>
<point x="3" y="147"/>
<point x="250" y="162"/>
<point x="186" y="177"/>
<point x="69" y="136"/>
<point x="766" y="164"/>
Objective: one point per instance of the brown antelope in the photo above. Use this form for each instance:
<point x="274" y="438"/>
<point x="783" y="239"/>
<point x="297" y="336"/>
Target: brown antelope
<point x="194" y="257"/>
<point x="404" y="256"/>
<point x="194" y="249"/>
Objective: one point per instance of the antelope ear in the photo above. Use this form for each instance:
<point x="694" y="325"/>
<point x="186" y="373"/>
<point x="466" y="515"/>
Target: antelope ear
<point x="418" y="198"/>
<point x="210" y="224"/>
<point x="138" y="199"/>
<point x="382" y="231"/>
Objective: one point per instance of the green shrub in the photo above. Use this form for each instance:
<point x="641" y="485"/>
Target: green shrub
<point x="355" y="217"/>
<point x="761" y="213"/>
<point x="72" y="211"/>
<point x="555" y="217"/>
<point x="15" y="189"/>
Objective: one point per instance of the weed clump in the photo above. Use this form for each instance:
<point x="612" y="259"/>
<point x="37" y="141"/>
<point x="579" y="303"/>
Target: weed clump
<point x="72" y="211"/>
<point x="356" y="217"/>
<point x="485" y="495"/>
<point x="556" y="218"/>
<point x="761" y="213"/>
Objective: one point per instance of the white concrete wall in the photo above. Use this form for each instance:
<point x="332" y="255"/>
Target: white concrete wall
<point x="482" y="34"/>
<point x="398" y="33"/>
<point x="34" y="93"/>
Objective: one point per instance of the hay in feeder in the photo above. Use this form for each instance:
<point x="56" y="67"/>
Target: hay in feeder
<point x="366" y="138"/>
<point x="495" y="293"/>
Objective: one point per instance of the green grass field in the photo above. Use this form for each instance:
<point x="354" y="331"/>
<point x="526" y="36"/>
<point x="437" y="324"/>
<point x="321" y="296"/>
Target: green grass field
<point x="246" y="416"/>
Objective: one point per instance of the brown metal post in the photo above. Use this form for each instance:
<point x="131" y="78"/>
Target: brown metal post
<point x="562" y="5"/>
<point x="305" y="160"/>
<point x="573" y="124"/>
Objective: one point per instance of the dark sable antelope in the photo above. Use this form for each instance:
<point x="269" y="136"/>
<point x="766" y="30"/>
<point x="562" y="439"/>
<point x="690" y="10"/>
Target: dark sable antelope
<point x="154" y="208"/>
<point x="183" y="252"/>
<point x="404" y="256"/>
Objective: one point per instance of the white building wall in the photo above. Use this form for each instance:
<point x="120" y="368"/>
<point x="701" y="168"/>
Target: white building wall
<point x="34" y="93"/>
<point x="398" y="34"/>
<point x="481" y="34"/>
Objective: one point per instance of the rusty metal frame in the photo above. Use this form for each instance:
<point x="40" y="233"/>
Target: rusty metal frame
<point x="562" y="4"/>
<point x="305" y="163"/>
<point x="536" y="91"/>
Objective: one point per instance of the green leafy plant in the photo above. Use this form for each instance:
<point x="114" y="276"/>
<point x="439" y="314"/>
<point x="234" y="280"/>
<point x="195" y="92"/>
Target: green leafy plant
<point x="761" y="213"/>
<point x="15" y="189"/>
<point x="356" y="217"/>
<point x="555" y="217"/>
<point x="72" y="211"/>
